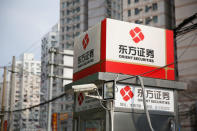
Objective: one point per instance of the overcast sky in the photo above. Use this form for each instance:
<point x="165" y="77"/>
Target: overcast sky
<point x="22" y="25"/>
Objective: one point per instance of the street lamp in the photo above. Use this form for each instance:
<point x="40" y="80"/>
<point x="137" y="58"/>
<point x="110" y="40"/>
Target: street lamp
<point x="108" y="90"/>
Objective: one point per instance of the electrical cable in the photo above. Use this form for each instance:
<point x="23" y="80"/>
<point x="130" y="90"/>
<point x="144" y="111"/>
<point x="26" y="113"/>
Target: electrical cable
<point x="117" y="81"/>
<point x="112" y="106"/>
<point x="43" y="103"/>
<point x="162" y="66"/>
<point x="180" y="38"/>
<point x="97" y="92"/>
<point x="101" y="101"/>
<point x="35" y="43"/>
<point x="145" y="72"/>
<point x="25" y="71"/>
<point x="186" y="29"/>
<point x="187" y="47"/>
<point x="144" y="102"/>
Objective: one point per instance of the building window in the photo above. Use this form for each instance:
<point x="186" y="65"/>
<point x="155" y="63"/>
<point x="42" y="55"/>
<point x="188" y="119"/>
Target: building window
<point x="68" y="28"/>
<point x="137" y="11"/>
<point x="62" y="13"/>
<point x="62" y="20"/>
<point x="78" y="26"/>
<point x="154" y="6"/>
<point x="77" y="18"/>
<point x="62" y="46"/>
<point x="147" y="8"/>
<point x="129" y="2"/>
<point x="62" y="37"/>
<point x="53" y="37"/>
<point x="69" y="3"/>
<point x="62" y="107"/>
<point x="136" y="1"/>
<point x="147" y="20"/>
<point x="76" y="34"/>
<point x="155" y="19"/>
<point x="69" y="20"/>
<point x="63" y="5"/>
<point x="129" y="12"/>
<point x="68" y="12"/>
<point x="78" y="9"/>
<point x="62" y="29"/>
<point x="139" y="21"/>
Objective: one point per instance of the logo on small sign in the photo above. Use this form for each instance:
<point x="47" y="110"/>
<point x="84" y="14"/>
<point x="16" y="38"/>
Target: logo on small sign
<point x="126" y="93"/>
<point x="136" y="34"/>
<point x="85" y="41"/>
<point x="80" y="98"/>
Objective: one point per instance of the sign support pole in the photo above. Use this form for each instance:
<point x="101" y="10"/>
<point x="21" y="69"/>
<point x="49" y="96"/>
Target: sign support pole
<point x="50" y="90"/>
<point x="3" y="98"/>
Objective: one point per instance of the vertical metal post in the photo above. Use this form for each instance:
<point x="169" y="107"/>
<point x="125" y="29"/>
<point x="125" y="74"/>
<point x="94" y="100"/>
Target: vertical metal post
<point x="175" y="59"/>
<point x="3" y="96"/>
<point x="50" y="89"/>
<point x="112" y="115"/>
<point x="11" y="94"/>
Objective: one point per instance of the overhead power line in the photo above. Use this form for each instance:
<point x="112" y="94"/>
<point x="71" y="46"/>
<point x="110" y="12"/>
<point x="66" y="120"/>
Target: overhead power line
<point x="32" y="45"/>
<point x="43" y="103"/>
<point x="186" y="38"/>
<point x="185" y="22"/>
<point x="178" y="28"/>
<point x="187" y="47"/>
<point x="186" y="29"/>
<point x="55" y="98"/>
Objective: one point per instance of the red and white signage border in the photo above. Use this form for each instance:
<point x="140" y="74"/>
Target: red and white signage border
<point x="118" y="67"/>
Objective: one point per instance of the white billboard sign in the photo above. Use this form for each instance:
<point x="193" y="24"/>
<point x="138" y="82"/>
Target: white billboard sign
<point x="87" y="48"/>
<point x="134" y="43"/>
<point x="131" y="97"/>
<point x="123" y="47"/>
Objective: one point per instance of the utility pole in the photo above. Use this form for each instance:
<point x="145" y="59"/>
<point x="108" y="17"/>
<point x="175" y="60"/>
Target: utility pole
<point x="3" y="95"/>
<point x="52" y="51"/>
<point x="12" y="91"/>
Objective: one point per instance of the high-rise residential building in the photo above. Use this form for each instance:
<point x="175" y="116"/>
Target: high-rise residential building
<point x="157" y="13"/>
<point x="63" y="64"/>
<point x="187" y="65"/>
<point x="65" y="104"/>
<point x="73" y="21"/>
<point x="27" y="93"/>
<point x="100" y="9"/>
<point x="76" y="16"/>
<point x="50" y="40"/>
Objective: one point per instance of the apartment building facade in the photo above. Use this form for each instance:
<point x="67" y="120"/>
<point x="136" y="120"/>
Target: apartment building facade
<point x="63" y="62"/>
<point x="50" y="40"/>
<point x="76" y="16"/>
<point x="27" y="93"/>
<point x="100" y="9"/>
<point x="157" y="13"/>
<point x="73" y="21"/>
<point x="187" y="64"/>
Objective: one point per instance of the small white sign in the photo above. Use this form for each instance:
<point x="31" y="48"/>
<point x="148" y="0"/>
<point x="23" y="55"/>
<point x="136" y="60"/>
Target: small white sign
<point x="127" y="96"/>
<point x="83" y="102"/>
<point x="87" y="48"/>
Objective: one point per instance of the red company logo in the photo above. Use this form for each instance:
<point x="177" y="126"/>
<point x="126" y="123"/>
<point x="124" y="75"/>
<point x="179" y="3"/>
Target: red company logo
<point x="80" y="98"/>
<point x="136" y="34"/>
<point x="126" y="93"/>
<point x="85" y="41"/>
